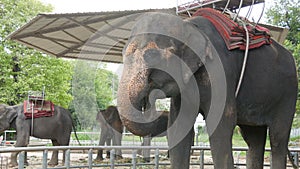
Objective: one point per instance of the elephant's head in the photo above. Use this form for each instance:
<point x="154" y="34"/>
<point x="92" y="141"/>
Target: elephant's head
<point x="108" y="115"/>
<point x="7" y="116"/>
<point x="162" y="54"/>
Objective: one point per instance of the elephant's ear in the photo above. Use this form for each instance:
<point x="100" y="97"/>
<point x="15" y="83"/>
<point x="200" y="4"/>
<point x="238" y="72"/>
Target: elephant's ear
<point x="98" y="117"/>
<point x="11" y="114"/>
<point x="196" y="50"/>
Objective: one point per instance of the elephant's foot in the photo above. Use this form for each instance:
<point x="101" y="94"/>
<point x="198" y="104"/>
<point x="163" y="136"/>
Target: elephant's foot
<point x="139" y="152"/>
<point x="119" y="157"/>
<point x="13" y="164"/>
<point x="53" y="163"/>
<point x="98" y="159"/>
<point x="146" y="159"/>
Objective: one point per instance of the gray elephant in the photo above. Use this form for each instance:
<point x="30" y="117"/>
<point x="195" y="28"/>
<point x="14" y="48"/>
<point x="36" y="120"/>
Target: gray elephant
<point x="188" y="61"/>
<point x="57" y="128"/>
<point x="111" y="130"/>
<point x="155" y="132"/>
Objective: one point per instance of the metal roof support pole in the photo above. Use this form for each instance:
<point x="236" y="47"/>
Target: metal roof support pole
<point x="240" y="6"/>
<point x="226" y="6"/>
<point x="261" y="14"/>
<point x="250" y="10"/>
<point x="32" y="114"/>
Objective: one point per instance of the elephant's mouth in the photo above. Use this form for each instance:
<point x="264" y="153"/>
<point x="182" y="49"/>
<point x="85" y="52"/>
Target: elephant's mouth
<point x="148" y="105"/>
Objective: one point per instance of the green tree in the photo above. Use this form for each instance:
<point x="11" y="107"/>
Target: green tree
<point x="93" y="89"/>
<point x="286" y="13"/>
<point x="23" y="69"/>
<point x="106" y="85"/>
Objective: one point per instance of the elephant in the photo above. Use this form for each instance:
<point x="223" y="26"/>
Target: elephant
<point x="57" y="128"/>
<point x="187" y="60"/>
<point x="111" y="130"/>
<point x="156" y="132"/>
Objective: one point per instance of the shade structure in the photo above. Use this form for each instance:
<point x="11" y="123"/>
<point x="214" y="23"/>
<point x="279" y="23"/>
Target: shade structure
<point x="98" y="36"/>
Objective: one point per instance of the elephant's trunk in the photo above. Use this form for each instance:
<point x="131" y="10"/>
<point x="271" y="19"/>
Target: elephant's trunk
<point x="132" y="100"/>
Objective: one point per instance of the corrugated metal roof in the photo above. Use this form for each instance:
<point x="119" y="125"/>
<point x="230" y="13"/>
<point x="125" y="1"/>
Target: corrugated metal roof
<point x="98" y="36"/>
<point x="92" y="36"/>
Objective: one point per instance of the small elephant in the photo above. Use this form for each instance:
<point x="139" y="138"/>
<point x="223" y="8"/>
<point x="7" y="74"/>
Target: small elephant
<point x="111" y="130"/>
<point x="57" y="128"/>
<point x="156" y="132"/>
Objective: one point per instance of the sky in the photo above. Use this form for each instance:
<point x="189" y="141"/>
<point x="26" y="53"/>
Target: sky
<point x="74" y="6"/>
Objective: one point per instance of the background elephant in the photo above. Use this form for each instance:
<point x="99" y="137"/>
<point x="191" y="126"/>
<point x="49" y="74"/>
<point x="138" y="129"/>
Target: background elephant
<point x="57" y="128"/>
<point x="166" y="56"/>
<point x="111" y="130"/>
<point x="156" y="132"/>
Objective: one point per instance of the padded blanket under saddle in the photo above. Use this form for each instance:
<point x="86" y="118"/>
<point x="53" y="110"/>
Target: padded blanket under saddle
<point x="233" y="32"/>
<point x="38" y="109"/>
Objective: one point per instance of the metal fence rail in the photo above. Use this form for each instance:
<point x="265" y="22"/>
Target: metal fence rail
<point x="156" y="163"/>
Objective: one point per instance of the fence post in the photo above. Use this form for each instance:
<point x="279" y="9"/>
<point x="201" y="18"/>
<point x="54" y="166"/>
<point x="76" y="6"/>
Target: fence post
<point x="90" y="158"/>
<point x="271" y="161"/>
<point x="45" y="156"/>
<point x="21" y="160"/>
<point x="296" y="159"/>
<point x="156" y="159"/>
<point x="112" y="158"/>
<point x="67" y="159"/>
<point x="134" y="159"/>
<point x="201" y="158"/>
<point x="238" y="159"/>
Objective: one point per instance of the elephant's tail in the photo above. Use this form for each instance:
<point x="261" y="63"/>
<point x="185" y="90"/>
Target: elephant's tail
<point x="74" y="128"/>
<point x="295" y="166"/>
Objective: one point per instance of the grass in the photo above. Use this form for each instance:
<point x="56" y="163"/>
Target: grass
<point x="237" y="140"/>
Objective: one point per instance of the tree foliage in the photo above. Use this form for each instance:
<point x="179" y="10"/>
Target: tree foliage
<point x="93" y="89"/>
<point x="286" y="13"/>
<point x="24" y="69"/>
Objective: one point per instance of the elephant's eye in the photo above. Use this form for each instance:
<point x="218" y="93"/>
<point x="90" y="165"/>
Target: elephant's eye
<point x="171" y="49"/>
<point x="130" y="49"/>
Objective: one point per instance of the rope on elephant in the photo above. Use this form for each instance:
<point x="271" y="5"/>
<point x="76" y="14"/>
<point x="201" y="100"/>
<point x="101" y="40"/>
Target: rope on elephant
<point x="244" y="62"/>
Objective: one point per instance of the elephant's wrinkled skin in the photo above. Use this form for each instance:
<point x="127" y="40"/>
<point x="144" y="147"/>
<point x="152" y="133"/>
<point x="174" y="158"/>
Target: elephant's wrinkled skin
<point x="57" y="128"/>
<point x="266" y="99"/>
<point x="111" y="130"/>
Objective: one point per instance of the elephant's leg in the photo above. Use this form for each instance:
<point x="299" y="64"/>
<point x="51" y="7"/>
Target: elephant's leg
<point x="54" y="157"/>
<point x="108" y="143"/>
<point x="180" y="133"/>
<point x="255" y="137"/>
<point x="180" y="154"/>
<point x="220" y="138"/>
<point x="22" y="141"/>
<point x="117" y="139"/>
<point x="101" y="143"/>
<point x="146" y="152"/>
<point x="279" y="132"/>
